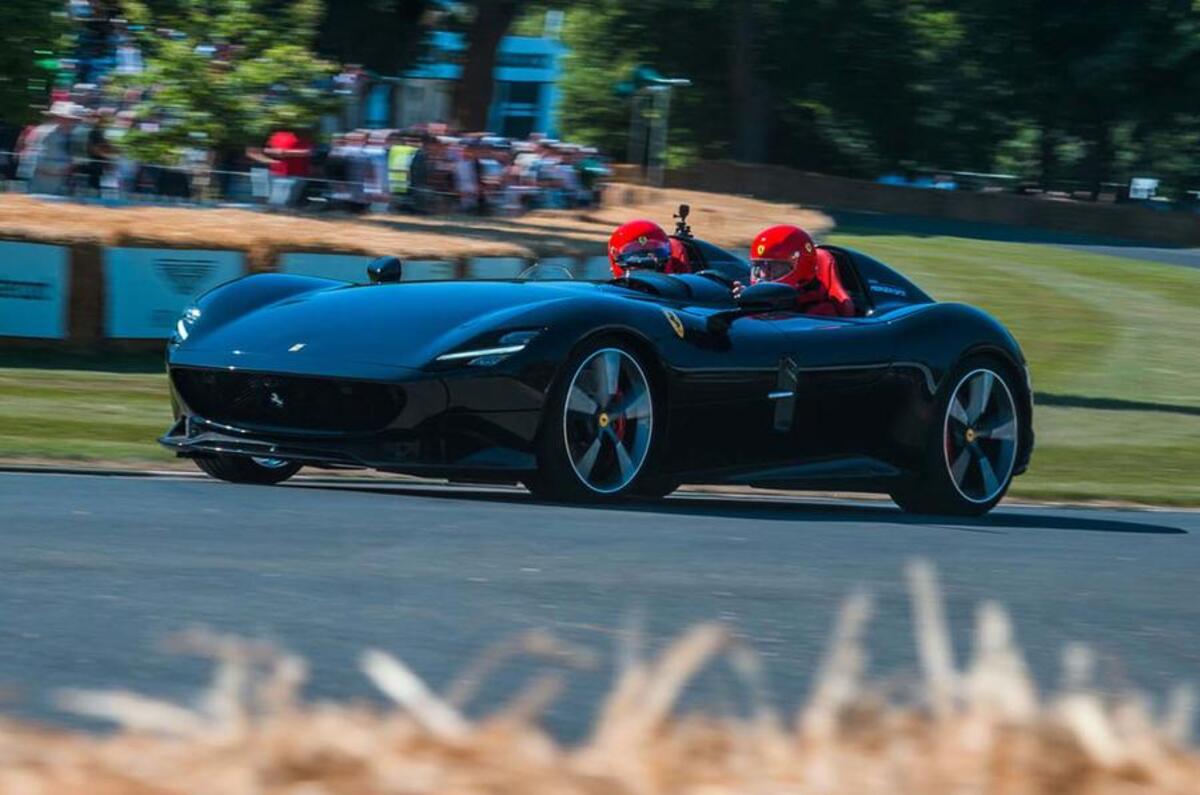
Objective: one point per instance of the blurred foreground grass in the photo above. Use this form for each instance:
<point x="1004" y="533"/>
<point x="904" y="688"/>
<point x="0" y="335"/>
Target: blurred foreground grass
<point x="968" y="725"/>
<point x="1114" y="346"/>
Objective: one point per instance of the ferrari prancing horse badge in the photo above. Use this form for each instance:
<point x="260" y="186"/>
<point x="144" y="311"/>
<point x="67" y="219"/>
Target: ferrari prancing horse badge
<point x="676" y="323"/>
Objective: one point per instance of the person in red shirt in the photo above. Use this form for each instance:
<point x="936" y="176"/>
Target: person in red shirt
<point x="643" y="244"/>
<point x="290" y="153"/>
<point x="290" y="156"/>
<point x="787" y="254"/>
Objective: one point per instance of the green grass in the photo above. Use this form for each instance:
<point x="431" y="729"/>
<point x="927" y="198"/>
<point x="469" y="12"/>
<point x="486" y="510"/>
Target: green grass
<point x="83" y="414"/>
<point x="1099" y="331"/>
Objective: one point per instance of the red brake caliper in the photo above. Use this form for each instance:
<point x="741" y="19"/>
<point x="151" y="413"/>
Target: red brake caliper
<point x="619" y="422"/>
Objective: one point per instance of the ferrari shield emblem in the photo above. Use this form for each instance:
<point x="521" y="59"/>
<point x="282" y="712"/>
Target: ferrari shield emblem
<point x="676" y="323"/>
<point x="761" y="249"/>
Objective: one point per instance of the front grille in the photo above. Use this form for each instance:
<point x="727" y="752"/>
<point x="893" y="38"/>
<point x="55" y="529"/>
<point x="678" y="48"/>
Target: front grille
<point x="294" y="402"/>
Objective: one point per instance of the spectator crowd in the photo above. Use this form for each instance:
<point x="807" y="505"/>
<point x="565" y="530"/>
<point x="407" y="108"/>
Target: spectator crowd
<point x="79" y="149"/>
<point x="428" y="170"/>
<point x="76" y="151"/>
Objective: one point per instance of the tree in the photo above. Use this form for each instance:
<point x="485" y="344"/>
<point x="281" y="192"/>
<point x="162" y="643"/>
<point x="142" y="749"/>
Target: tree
<point x="606" y="39"/>
<point x="383" y="36"/>
<point x="489" y="22"/>
<point x="233" y="71"/>
<point x="749" y="90"/>
<point x="30" y="35"/>
<point x="1082" y="90"/>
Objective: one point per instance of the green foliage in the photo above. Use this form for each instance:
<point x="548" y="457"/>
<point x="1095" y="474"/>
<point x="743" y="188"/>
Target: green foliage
<point x="590" y="111"/>
<point x="1084" y="90"/>
<point x="265" y="78"/>
<point x="30" y="31"/>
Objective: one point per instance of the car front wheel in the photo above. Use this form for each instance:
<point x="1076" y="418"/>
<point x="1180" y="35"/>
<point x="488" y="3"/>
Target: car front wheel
<point x="598" y="429"/>
<point x="244" y="469"/>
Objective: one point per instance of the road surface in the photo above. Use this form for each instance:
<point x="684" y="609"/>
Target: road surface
<point x="97" y="571"/>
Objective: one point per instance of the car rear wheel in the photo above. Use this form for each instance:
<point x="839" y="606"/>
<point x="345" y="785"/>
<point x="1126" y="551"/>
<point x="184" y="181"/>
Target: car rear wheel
<point x="969" y="464"/>
<point x="598" y="430"/>
<point x="243" y="469"/>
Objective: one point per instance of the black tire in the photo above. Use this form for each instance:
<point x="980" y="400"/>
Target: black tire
<point x="569" y="433"/>
<point x="242" y="469"/>
<point x="986" y="441"/>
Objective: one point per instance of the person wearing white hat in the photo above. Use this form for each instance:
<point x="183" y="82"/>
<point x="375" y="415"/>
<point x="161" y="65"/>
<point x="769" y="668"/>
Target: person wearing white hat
<point x="46" y="163"/>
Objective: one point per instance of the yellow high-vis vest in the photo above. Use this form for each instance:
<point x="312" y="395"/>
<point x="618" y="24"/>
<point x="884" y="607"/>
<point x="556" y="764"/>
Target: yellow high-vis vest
<point x="400" y="159"/>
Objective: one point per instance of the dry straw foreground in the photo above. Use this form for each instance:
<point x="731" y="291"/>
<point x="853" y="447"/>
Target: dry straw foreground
<point x="725" y="220"/>
<point x="981" y="728"/>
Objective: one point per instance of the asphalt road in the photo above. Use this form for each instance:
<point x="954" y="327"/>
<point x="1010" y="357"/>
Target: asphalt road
<point x="97" y="571"/>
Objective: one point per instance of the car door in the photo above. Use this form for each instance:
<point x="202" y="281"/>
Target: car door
<point x="722" y="418"/>
<point x="831" y="396"/>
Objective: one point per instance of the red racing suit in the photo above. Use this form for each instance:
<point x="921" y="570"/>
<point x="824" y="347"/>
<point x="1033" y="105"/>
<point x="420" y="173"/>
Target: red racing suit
<point x="825" y="296"/>
<point x="678" y="262"/>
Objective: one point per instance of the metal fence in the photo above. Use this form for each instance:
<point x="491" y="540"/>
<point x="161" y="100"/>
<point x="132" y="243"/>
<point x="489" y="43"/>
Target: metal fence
<point x="121" y="182"/>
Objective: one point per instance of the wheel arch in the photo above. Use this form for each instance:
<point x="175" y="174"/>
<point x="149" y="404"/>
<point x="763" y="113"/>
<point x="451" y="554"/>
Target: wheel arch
<point x="639" y="342"/>
<point x="922" y="340"/>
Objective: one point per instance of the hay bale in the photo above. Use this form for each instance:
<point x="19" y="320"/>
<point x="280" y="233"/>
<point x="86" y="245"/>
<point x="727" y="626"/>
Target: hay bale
<point x="724" y="220"/>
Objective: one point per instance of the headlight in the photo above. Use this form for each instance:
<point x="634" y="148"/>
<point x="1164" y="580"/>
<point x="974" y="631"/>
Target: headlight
<point x="489" y="353"/>
<point x="183" y="326"/>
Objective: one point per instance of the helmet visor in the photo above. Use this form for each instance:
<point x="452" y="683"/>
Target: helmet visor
<point x="769" y="270"/>
<point x="651" y="255"/>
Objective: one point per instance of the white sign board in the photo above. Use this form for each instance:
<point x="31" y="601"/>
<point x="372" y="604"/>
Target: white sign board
<point x="345" y="267"/>
<point x="34" y="290"/>
<point x="146" y="289"/>
<point x="1143" y="188"/>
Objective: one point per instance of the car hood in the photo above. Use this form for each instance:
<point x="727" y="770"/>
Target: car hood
<point x="389" y="326"/>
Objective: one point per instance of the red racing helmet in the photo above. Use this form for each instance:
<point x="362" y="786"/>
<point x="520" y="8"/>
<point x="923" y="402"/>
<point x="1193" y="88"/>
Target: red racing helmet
<point x="638" y="244"/>
<point x="785" y="254"/>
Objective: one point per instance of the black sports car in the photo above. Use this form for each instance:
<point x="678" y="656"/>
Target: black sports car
<point x="590" y="391"/>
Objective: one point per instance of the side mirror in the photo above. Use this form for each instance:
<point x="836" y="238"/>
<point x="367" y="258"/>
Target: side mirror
<point x="385" y="270"/>
<point x="766" y="297"/>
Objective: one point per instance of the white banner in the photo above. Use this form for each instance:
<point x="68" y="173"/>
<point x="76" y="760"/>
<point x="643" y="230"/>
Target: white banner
<point x="146" y="289"/>
<point x="35" y="284"/>
<point x="345" y="267"/>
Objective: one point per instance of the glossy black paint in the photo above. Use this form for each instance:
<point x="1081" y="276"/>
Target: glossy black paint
<point x="766" y="398"/>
